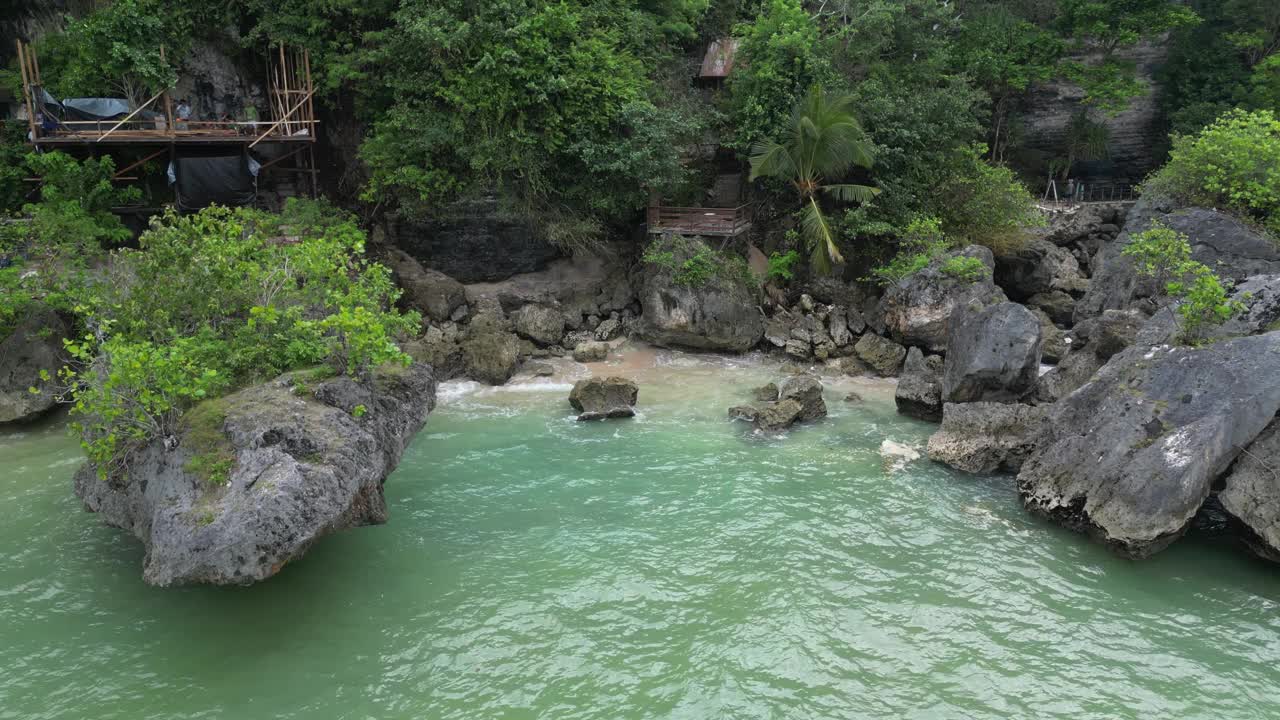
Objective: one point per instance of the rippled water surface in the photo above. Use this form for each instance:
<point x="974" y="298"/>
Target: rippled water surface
<point x="670" y="566"/>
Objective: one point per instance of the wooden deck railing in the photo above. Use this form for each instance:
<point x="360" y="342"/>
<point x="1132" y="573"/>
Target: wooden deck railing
<point x="719" y="222"/>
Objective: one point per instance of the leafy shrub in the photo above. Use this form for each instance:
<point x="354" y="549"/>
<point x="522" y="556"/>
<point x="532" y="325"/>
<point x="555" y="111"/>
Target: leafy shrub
<point x="964" y="268"/>
<point x="216" y="301"/>
<point x="1233" y="164"/>
<point x="780" y="265"/>
<point x="989" y="206"/>
<point x="922" y="241"/>
<point x="1164" y="254"/>
<point x="694" y="265"/>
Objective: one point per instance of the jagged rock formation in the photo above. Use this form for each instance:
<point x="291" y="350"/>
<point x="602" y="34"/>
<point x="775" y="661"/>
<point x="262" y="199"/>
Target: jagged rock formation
<point x="34" y="347"/>
<point x="993" y="355"/>
<point x="432" y="293"/>
<point x="919" y="393"/>
<point x="300" y="463"/>
<point x="917" y="310"/>
<point x="1130" y="457"/>
<point x="986" y="437"/>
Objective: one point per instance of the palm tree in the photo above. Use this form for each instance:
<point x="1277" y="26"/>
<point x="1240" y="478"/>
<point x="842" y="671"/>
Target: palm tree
<point x="825" y="142"/>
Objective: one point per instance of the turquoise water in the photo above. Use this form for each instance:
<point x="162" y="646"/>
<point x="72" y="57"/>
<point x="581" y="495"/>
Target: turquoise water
<point x="672" y="566"/>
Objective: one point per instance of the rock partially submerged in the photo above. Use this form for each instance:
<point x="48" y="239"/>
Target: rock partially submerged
<point x="1131" y="456"/>
<point x="883" y="355"/>
<point x="257" y="477"/>
<point x="1251" y="493"/>
<point x="806" y="390"/>
<point x="490" y="351"/>
<point x="604" y="398"/>
<point x="986" y="437"/>
<point x="34" y="347"/>
<point x="593" y="351"/>
<point x="798" y="399"/>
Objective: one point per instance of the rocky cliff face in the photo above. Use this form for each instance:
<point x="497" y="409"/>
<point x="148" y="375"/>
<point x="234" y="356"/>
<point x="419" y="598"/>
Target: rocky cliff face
<point x="255" y="478"/>
<point x="474" y="242"/>
<point x="1136" y="133"/>
<point x="33" y="348"/>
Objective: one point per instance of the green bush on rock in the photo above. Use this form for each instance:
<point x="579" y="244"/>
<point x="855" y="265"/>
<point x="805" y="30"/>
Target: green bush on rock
<point x="217" y="301"/>
<point x="1164" y="254"/>
<point x="1232" y="164"/>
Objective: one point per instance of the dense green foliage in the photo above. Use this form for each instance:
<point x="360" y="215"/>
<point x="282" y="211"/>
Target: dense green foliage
<point x="1232" y="164"/>
<point x="1164" y="254"/>
<point x="46" y="253"/>
<point x="921" y="242"/>
<point x="215" y="301"/>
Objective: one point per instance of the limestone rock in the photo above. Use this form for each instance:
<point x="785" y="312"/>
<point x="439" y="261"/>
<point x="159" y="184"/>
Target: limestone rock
<point x="917" y="310"/>
<point x="591" y="352"/>
<point x="490" y="351"/>
<point x="1131" y="456"/>
<point x="1230" y="248"/>
<point x="994" y="355"/>
<point x="778" y="416"/>
<point x="1054" y="345"/>
<point x="748" y="413"/>
<point x="1095" y="341"/>
<point x="806" y="390"/>
<point x="720" y="314"/>
<point x="884" y="356"/>
<point x="434" y="294"/>
<point x="602" y="398"/>
<point x="301" y="465"/>
<point x="1251" y="492"/>
<point x="1058" y="305"/>
<point x="34" y="346"/>
<point x="985" y="437"/>
<point x="540" y="324"/>
<point x="1039" y="267"/>
<point x="919" y="393"/>
<point x="765" y="393"/>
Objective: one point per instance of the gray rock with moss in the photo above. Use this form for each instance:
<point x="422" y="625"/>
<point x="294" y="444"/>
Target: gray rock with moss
<point x="917" y="309"/>
<point x="714" y="309"/>
<point x="883" y="355"/>
<point x="490" y="351"/>
<point x="1130" y="457"/>
<point x="919" y="393"/>
<point x="32" y="348"/>
<point x="251" y="481"/>
<point x="1251" y="493"/>
<point x="806" y="390"/>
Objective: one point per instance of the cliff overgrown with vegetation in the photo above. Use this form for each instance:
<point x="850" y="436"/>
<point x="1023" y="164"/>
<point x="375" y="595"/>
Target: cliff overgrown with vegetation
<point x="579" y="112"/>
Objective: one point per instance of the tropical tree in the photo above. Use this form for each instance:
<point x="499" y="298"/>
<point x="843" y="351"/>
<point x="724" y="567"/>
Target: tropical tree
<point x="825" y="142"/>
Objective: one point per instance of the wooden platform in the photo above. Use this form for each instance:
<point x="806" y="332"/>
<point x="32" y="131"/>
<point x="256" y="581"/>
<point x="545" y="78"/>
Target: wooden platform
<point x="714" y="222"/>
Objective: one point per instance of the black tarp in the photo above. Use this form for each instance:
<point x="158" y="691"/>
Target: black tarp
<point x="204" y="179"/>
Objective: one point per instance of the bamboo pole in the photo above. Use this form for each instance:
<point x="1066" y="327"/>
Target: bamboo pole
<point x="169" y="125"/>
<point x="120" y="175"/>
<point x="280" y="121"/>
<point x="26" y="90"/>
<point x="130" y="116"/>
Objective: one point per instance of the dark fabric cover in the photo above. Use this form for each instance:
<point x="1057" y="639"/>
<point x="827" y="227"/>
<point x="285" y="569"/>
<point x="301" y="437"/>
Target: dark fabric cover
<point x="96" y="108"/>
<point x="204" y="180"/>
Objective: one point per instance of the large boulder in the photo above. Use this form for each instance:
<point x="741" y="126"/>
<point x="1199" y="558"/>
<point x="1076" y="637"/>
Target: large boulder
<point x="602" y="398"/>
<point x="430" y="292"/>
<point x="1054" y="345"/>
<point x="1131" y="456"/>
<point x="721" y="313"/>
<point x="986" y="437"/>
<point x="806" y="390"/>
<point x="1231" y="248"/>
<point x="440" y="348"/>
<point x="883" y="355"/>
<point x="33" y="348"/>
<point x="1251" y="493"/>
<point x="917" y="309"/>
<point x="1094" y="342"/>
<point x="539" y="323"/>
<point x="252" y="480"/>
<point x="993" y="355"/>
<point x="490" y="351"/>
<point x="1039" y="267"/>
<point x="919" y="393"/>
<point x="593" y="351"/>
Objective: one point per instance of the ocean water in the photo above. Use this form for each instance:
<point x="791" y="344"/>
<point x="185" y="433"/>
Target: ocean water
<point x="669" y="566"/>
